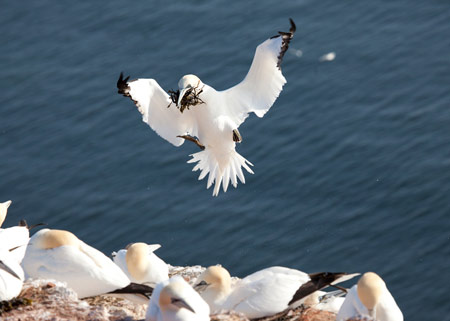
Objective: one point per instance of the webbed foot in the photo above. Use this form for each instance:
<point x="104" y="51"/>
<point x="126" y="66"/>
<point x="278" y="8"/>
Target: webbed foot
<point x="192" y="139"/>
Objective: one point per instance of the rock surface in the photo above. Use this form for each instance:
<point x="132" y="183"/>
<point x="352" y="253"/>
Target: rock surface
<point x="52" y="300"/>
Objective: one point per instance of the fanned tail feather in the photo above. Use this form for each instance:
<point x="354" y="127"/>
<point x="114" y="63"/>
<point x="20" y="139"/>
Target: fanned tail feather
<point x="221" y="171"/>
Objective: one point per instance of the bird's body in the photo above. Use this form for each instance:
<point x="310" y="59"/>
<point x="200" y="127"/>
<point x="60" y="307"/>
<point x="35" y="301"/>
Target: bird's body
<point x="15" y="238"/>
<point x="176" y="300"/>
<point x="11" y="276"/>
<point x="211" y="118"/>
<point x="263" y="293"/>
<point x="370" y="299"/>
<point x="141" y="265"/>
<point x="60" y="255"/>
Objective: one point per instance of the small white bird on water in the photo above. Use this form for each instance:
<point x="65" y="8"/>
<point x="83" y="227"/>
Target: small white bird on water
<point x="328" y="57"/>
<point x="11" y="276"/>
<point x="141" y="265"/>
<point x="210" y="118"/>
<point x="176" y="300"/>
<point x="370" y="298"/>
<point x="60" y="255"/>
<point x="263" y="293"/>
<point x="15" y="238"/>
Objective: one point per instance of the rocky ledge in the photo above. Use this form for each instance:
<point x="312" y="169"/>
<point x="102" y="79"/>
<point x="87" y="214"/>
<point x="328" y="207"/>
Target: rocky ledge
<point x="51" y="300"/>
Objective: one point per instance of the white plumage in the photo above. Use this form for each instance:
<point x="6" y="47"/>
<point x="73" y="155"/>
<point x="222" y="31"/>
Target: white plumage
<point x="213" y="116"/>
<point x="370" y="298"/>
<point x="60" y="255"/>
<point x="325" y="301"/>
<point x="15" y="238"/>
<point x="141" y="265"/>
<point x="263" y="293"/>
<point x="4" y="211"/>
<point x="11" y="276"/>
<point x="176" y="300"/>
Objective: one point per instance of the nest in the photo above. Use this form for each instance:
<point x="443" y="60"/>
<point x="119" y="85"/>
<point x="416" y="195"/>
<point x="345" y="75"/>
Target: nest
<point x="190" y="98"/>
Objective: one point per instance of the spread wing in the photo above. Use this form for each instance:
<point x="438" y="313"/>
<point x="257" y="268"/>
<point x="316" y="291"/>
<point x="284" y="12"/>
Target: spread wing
<point x="153" y="103"/>
<point x="264" y="81"/>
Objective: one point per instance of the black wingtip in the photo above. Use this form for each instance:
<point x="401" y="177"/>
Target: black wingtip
<point x="122" y="85"/>
<point x="135" y="288"/>
<point x="293" y="26"/>
<point x="318" y="281"/>
<point x="30" y="227"/>
<point x="286" y="39"/>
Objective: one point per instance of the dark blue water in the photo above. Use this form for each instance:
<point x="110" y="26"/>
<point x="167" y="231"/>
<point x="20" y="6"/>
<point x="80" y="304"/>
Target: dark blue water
<point x="352" y="163"/>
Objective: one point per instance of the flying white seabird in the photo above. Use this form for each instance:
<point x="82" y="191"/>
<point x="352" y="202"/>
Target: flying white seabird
<point x="60" y="255"/>
<point x="11" y="276"/>
<point x="211" y="118"/>
<point x="370" y="298"/>
<point x="176" y="300"/>
<point x="141" y="265"/>
<point x="263" y="293"/>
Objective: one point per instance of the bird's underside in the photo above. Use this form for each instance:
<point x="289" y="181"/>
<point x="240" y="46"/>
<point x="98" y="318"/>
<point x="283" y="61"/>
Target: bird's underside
<point x="179" y="115"/>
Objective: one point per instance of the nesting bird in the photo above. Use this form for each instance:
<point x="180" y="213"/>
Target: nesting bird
<point x="60" y="255"/>
<point x="141" y="265"/>
<point x="176" y="300"/>
<point x="210" y="118"/>
<point x="370" y="298"/>
<point x="263" y="293"/>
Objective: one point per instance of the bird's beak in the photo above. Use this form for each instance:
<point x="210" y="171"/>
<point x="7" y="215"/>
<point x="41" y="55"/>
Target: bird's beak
<point x="182" y="304"/>
<point x="182" y="93"/>
<point x="6" y="268"/>
<point x="200" y="287"/>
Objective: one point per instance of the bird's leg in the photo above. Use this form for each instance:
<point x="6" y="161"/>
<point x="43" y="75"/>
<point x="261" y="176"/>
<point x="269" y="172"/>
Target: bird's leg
<point x="236" y="136"/>
<point x="192" y="139"/>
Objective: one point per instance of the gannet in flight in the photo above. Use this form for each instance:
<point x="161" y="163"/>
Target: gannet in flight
<point x="370" y="298"/>
<point x="11" y="276"/>
<point x="210" y="118"/>
<point x="263" y="293"/>
<point x="176" y="300"/>
<point x="60" y="255"/>
<point x="141" y="265"/>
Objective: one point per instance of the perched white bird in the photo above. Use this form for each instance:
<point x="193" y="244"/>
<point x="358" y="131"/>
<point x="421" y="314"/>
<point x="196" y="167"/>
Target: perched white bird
<point x="263" y="293"/>
<point x="15" y="238"/>
<point x="176" y="300"/>
<point x="141" y="265"/>
<point x="11" y="276"/>
<point x="370" y="298"/>
<point x="60" y="255"/>
<point x="211" y="118"/>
